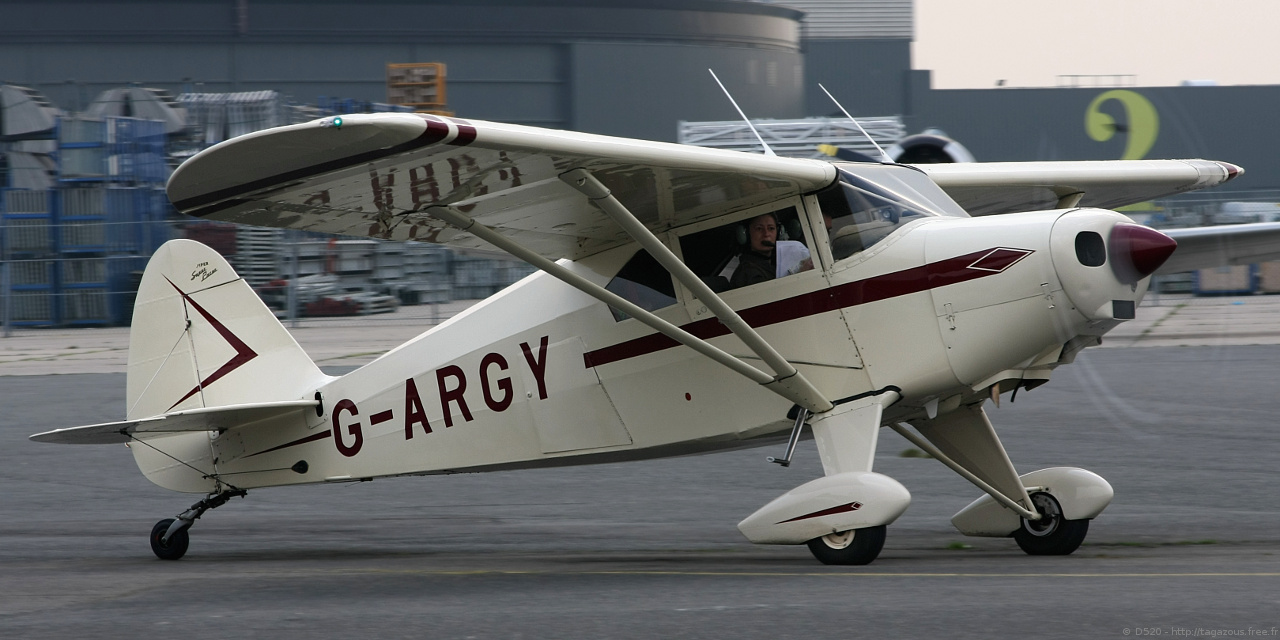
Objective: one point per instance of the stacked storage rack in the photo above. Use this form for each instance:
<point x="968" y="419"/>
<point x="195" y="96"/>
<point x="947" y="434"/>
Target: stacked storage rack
<point x="108" y="215"/>
<point x="28" y="247"/>
<point x="257" y="255"/>
<point x="83" y="221"/>
<point x="104" y="236"/>
<point x="478" y="277"/>
<point x="426" y="274"/>
<point x="419" y="86"/>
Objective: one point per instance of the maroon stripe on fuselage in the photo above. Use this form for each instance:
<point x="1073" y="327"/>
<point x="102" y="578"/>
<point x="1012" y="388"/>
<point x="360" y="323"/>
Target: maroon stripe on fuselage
<point x="890" y="285"/>
<point x="311" y="438"/>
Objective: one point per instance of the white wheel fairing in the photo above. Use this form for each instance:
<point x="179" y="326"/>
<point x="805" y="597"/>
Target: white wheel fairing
<point x="1078" y="493"/>
<point x="832" y="505"/>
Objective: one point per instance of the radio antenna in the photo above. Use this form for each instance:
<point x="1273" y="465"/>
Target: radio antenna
<point x="767" y="150"/>
<point x="857" y="124"/>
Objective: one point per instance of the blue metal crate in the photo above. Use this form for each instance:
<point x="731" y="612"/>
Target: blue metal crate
<point x="32" y="275"/>
<point x="87" y="306"/>
<point x="27" y="234"/>
<point x="111" y="149"/>
<point x="32" y="309"/>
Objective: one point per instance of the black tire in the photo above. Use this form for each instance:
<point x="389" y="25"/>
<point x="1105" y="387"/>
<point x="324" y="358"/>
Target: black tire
<point x="857" y="546"/>
<point x="177" y="545"/>
<point x="1052" y="535"/>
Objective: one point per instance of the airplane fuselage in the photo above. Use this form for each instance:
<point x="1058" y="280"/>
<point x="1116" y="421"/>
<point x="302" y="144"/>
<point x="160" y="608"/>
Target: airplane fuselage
<point x="940" y="311"/>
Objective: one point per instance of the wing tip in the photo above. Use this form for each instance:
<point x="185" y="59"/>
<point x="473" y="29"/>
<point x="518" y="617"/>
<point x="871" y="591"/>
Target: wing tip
<point x="1232" y="170"/>
<point x="79" y="435"/>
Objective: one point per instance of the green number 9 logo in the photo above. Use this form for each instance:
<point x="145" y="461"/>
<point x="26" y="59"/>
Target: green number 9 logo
<point x="1144" y="122"/>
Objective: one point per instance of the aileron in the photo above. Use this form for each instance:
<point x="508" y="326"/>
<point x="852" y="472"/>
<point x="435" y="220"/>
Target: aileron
<point x="1007" y="187"/>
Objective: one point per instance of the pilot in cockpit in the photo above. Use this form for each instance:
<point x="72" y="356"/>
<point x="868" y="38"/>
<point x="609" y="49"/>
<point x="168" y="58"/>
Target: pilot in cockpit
<point x="765" y="257"/>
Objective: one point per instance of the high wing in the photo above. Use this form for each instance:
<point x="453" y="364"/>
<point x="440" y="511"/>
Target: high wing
<point x="204" y="419"/>
<point x="376" y="174"/>
<point x="989" y="188"/>
<point x="1010" y="187"/>
<point x="534" y="193"/>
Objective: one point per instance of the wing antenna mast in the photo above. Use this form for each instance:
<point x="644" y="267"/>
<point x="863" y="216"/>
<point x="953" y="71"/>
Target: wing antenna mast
<point x="856" y="124"/>
<point x="767" y="150"/>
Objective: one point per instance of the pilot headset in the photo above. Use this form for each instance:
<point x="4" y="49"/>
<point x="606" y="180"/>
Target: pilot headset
<point x="742" y="235"/>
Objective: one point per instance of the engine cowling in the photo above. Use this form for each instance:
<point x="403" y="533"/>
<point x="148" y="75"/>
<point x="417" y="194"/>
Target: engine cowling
<point x="1103" y="261"/>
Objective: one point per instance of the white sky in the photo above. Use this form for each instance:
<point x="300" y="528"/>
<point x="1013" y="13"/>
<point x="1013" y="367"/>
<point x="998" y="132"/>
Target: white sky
<point x="1028" y="43"/>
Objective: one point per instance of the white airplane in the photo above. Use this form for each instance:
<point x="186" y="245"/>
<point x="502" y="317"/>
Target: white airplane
<point x="883" y="295"/>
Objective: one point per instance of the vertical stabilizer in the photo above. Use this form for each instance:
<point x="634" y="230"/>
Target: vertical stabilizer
<point x="202" y="338"/>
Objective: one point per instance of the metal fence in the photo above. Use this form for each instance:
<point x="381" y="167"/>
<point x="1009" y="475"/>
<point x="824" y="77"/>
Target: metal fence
<point x="66" y="271"/>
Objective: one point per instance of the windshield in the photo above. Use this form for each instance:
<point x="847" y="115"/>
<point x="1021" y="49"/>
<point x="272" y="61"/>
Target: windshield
<point x="868" y="202"/>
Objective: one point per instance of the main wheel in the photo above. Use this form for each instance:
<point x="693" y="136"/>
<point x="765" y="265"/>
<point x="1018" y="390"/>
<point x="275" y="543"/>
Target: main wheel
<point x="177" y="545"/>
<point x="856" y="546"/>
<point x="1052" y="535"/>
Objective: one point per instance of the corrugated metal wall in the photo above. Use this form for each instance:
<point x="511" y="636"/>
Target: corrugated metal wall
<point x="521" y="61"/>
<point x="839" y="19"/>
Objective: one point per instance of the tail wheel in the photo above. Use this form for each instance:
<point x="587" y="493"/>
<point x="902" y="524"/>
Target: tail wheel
<point x="856" y="546"/>
<point x="175" y="548"/>
<point x="1053" y="534"/>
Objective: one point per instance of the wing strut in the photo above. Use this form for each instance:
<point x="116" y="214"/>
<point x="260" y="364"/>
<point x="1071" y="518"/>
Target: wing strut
<point x="558" y="271"/>
<point x="785" y="375"/>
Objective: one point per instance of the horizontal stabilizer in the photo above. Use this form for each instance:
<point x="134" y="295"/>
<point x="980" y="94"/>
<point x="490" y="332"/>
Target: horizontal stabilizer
<point x="204" y="419"/>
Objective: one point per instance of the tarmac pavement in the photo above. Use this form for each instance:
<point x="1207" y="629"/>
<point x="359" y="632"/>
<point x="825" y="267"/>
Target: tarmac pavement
<point x="1190" y="546"/>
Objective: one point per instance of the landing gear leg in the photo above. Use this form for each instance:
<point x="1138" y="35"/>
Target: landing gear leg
<point x="169" y="537"/>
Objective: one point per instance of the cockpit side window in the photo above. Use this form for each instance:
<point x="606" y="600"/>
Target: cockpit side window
<point x="736" y="255"/>
<point x="643" y="281"/>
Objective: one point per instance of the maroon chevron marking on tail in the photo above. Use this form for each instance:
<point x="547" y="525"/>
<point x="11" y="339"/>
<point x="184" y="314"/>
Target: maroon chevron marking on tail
<point x="243" y="352"/>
